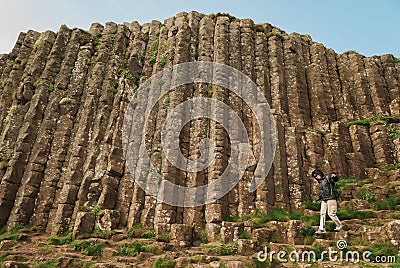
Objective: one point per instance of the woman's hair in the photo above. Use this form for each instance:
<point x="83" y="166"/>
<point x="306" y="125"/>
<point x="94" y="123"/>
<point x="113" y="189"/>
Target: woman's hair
<point x="317" y="172"/>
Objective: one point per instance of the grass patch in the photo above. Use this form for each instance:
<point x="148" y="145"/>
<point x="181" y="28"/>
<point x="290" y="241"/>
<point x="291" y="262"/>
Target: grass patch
<point x="60" y="240"/>
<point x="47" y="264"/>
<point x="276" y="238"/>
<point x="348" y="52"/>
<point x="330" y="226"/>
<point x="50" y="89"/>
<point x="85" y="36"/>
<point x="97" y="233"/>
<point x="362" y="122"/>
<point x="143" y="58"/>
<point x="345" y="183"/>
<point x="394" y="134"/>
<point x="3" y="258"/>
<point x="150" y="234"/>
<point x="138" y="231"/>
<point x="154" y="46"/>
<point x="12" y="233"/>
<point x="222" y="250"/>
<point x="366" y="194"/>
<point x="309" y="240"/>
<point x="159" y="263"/>
<point x="366" y="181"/>
<point x="94" y="250"/>
<point x="167" y="102"/>
<point x="154" y="49"/>
<point x="392" y="167"/>
<point x="151" y="248"/>
<point x="383" y="249"/>
<point x="232" y="218"/>
<point x="200" y="259"/>
<point x="203" y="235"/>
<point x="80" y="244"/>
<point x="163" y="59"/>
<point x="115" y="88"/>
<point x="164" y="238"/>
<point x="358" y="241"/>
<point x="96" y="210"/>
<point x="390" y="203"/>
<point x="396" y="60"/>
<point x="280" y="214"/>
<point x="134" y="249"/>
<point x="318" y="249"/>
<point x="394" y="216"/>
<point x="312" y="205"/>
<point x="96" y="42"/>
<point x="115" y="29"/>
<point x="153" y="59"/>
<point x="81" y="264"/>
<point x="375" y="120"/>
<point x="277" y="214"/>
<point x="9" y="236"/>
<point x="45" y="249"/>
<point x="307" y="231"/>
<point x="36" y="83"/>
<point x="127" y="75"/>
<point x="209" y="91"/>
<point x="24" y="62"/>
<point x="311" y="220"/>
<point x="260" y="220"/>
<point x="87" y="248"/>
<point x="123" y="65"/>
<point x="244" y="235"/>
<point x="348" y="214"/>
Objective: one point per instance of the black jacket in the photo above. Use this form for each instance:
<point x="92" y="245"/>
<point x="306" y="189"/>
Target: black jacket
<point x="327" y="188"/>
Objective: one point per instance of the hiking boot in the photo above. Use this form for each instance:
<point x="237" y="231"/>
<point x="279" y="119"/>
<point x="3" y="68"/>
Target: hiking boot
<point x="320" y="232"/>
<point x="338" y="229"/>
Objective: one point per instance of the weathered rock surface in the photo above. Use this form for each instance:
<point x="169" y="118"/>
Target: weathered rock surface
<point x="62" y="102"/>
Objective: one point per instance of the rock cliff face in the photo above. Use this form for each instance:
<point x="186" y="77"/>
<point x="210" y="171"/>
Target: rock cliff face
<point x="63" y="97"/>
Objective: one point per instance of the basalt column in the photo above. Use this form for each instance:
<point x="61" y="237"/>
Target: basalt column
<point x="63" y="97"/>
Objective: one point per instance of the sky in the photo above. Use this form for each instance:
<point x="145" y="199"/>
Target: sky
<point x="368" y="27"/>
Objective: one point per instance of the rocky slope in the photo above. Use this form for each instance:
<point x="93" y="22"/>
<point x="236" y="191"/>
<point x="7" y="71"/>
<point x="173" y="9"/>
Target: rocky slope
<point x="62" y="102"/>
